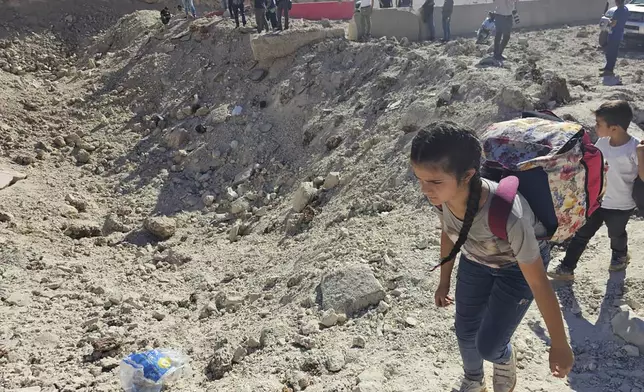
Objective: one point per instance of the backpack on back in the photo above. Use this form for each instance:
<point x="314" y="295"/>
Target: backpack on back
<point x="552" y="163"/>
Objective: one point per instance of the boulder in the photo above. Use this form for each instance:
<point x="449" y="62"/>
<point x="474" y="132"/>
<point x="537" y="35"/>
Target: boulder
<point x="350" y="290"/>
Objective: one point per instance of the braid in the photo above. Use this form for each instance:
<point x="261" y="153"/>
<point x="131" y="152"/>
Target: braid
<point x="472" y="208"/>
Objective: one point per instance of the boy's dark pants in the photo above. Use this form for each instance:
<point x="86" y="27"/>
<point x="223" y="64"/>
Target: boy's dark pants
<point x="237" y="10"/>
<point x="612" y="50"/>
<point x="282" y="11"/>
<point x="616" y="221"/>
<point x="260" y="19"/>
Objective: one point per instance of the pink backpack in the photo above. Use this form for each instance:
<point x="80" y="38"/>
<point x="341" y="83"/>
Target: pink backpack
<point x="552" y="163"/>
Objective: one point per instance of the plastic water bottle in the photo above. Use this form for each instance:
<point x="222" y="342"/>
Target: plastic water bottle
<point x="150" y="370"/>
<point x="515" y="17"/>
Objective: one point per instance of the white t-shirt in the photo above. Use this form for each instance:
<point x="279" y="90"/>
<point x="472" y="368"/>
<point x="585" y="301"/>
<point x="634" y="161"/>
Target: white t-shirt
<point x="505" y="7"/>
<point x="365" y="3"/>
<point x="622" y="172"/>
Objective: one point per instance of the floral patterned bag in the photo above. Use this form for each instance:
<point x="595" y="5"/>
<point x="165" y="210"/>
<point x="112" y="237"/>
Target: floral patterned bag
<point x="555" y="167"/>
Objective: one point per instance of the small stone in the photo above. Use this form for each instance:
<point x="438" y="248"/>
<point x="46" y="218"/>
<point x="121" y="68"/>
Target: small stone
<point x="82" y="157"/>
<point x="220" y="364"/>
<point x="208" y="200"/>
<point x="208" y="310"/>
<point x="231" y="194"/>
<point x="310" y="327"/>
<point x="396" y="292"/>
<point x="59" y="141"/>
<point x="303" y="196"/>
<point x="258" y="74"/>
<point x="161" y="226"/>
<point x="202" y="111"/>
<point x="18" y="299"/>
<point x="329" y="318"/>
<point x="331" y="181"/>
<point x="233" y="233"/>
<point x="240" y="205"/>
<point x="239" y="354"/>
<point x="342" y="318"/>
<point x="304" y="342"/>
<point x="108" y="363"/>
<point x="411" y="322"/>
<point x="335" y="361"/>
<point x="333" y="142"/>
<point x="631" y="351"/>
<point x="359" y="342"/>
<point x="6" y="216"/>
<point x="76" y="201"/>
<point x="158" y="315"/>
<point x="383" y="307"/>
<point x="253" y="343"/>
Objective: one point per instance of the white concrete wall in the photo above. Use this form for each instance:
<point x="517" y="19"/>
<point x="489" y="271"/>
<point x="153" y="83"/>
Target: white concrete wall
<point x="467" y="18"/>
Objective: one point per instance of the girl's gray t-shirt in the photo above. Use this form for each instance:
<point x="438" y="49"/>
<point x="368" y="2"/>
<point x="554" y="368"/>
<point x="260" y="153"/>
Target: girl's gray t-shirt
<point x="483" y="247"/>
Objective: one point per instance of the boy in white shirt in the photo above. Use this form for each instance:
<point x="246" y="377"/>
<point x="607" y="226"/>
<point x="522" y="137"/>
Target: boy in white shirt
<point x="625" y="157"/>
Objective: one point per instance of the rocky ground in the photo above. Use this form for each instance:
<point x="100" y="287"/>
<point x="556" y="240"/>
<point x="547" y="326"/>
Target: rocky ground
<point x="167" y="190"/>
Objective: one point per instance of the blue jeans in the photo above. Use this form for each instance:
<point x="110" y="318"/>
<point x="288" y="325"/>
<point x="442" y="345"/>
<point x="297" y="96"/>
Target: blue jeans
<point x="431" y="29"/>
<point x="447" y="32"/>
<point x="612" y="49"/>
<point x="490" y="304"/>
<point x="189" y="6"/>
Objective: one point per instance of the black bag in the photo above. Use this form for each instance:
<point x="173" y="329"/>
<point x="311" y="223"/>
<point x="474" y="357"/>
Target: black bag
<point x="638" y="195"/>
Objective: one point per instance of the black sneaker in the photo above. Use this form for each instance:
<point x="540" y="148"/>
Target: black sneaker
<point x="562" y="273"/>
<point x="619" y="263"/>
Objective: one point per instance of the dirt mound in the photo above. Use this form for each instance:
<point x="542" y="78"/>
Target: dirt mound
<point x="260" y="217"/>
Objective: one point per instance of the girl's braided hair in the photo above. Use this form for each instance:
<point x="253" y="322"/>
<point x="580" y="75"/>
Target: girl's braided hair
<point x="456" y="150"/>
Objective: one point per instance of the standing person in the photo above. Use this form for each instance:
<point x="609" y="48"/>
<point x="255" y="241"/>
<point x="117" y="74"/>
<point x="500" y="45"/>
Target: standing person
<point x="625" y="157"/>
<point x="237" y="8"/>
<point x="386" y="3"/>
<point x="260" y="15"/>
<point x="497" y="279"/>
<point x="503" y="22"/>
<point x="271" y="14"/>
<point x="189" y="6"/>
<point x="427" y="14"/>
<point x="283" y="7"/>
<point x="404" y="4"/>
<point x="366" y="9"/>
<point x="617" y="24"/>
<point x="448" y="9"/>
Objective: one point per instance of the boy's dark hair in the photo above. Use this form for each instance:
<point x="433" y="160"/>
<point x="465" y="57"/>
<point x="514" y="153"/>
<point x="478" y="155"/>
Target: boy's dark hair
<point x="456" y="150"/>
<point x="616" y="113"/>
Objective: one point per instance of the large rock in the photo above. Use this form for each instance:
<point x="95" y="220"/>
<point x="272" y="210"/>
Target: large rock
<point x="350" y="290"/>
<point x="303" y="196"/>
<point x="267" y="47"/>
<point x="161" y="226"/>
<point x="629" y="326"/>
<point x="7" y="179"/>
<point x="555" y="88"/>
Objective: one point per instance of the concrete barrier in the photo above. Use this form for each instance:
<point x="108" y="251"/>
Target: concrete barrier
<point x="466" y="19"/>
<point x="332" y="10"/>
<point x="275" y="45"/>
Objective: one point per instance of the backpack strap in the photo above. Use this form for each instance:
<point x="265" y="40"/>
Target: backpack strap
<point x="501" y="205"/>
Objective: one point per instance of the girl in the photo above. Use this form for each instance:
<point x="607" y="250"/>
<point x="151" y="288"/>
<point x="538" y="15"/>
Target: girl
<point x="496" y="279"/>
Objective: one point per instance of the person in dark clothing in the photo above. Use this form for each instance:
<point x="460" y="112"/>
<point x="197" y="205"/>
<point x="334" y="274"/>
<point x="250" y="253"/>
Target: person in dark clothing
<point x="404" y="3"/>
<point x="386" y="3"/>
<point x="617" y="25"/>
<point x="271" y="14"/>
<point x="165" y="16"/>
<point x="427" y="14"/>
<point x="237" y="8"/>
<point x="503" y="22"/>
<point x="448" y="9"/>
<point x="260" y="15"/>
<point x="283" y="7"/>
